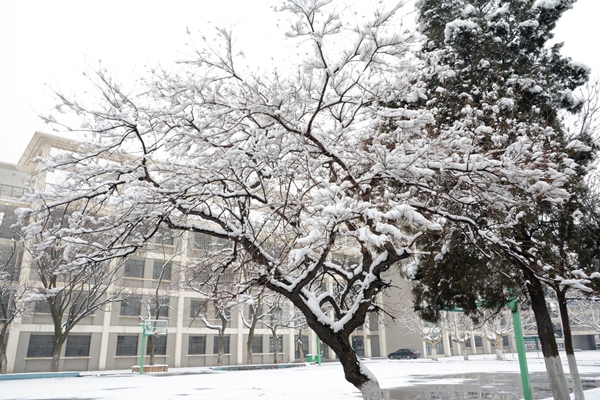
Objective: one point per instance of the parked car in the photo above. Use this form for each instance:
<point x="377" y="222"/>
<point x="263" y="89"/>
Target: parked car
<point x="404" y="353"/>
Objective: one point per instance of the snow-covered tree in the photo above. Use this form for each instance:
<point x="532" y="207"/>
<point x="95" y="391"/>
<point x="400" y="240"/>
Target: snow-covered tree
<point x="327" y="154"/>
<point x="254" y="315"/>
<point x="585" y="313"/>
<point x="462" y="328"/>
<point x="432" y="333"/>
<point x="12" y="294"/>
<point x="495" y="327"/>
<point x="157" y="303"/>
<point x="71" y="290"/>
<point x="497" y="86"/>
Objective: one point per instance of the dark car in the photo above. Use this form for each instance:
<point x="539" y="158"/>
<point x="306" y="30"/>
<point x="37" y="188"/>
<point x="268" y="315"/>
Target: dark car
<point x="404" y="353"/>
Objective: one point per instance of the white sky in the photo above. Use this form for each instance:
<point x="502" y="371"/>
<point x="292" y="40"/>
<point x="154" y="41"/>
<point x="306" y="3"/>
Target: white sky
<point x="50" y="42"/>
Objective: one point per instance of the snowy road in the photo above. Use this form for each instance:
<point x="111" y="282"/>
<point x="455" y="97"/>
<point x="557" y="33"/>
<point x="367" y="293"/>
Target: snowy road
<point x="311" y="382"/>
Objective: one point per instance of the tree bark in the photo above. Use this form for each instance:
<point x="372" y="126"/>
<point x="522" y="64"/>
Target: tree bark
<point x="253" y="310"/>
<point x="221" y="351"/>
<point x="151" y="347"/>
<point x="56" y="355"/>
<point x="498" y="344"/>
<point x="354" y="370"/>
<point x="3" y="359"/>
<point x="276" y="344"/>
<point x="554" y="369"/>
<point x="568" y="337"/>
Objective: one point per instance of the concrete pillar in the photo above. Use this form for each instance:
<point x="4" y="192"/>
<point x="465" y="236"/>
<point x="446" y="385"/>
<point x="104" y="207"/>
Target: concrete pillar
<point x="179" y="332"/>
<point x="487" y="346"/>
<point x="291" y="345"/>
<point x="447" y="344"/>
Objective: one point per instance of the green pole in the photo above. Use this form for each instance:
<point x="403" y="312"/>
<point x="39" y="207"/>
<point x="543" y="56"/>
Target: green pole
<point x="143" y="353"/>
<point x="514" y="308"/>
<point x="318" y="350"/>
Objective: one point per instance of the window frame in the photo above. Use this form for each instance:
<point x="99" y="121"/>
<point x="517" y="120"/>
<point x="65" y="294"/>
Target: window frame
<point x="157" y="268"/>
<point x="123" y="345"/>
<point x="216" y="344"/>
<point x="129" y="303"/>
<point x="43" y="346"/>
<point x="75" y="347"/>
<point x="135" y="265"/>
<point x="200" y="345"/>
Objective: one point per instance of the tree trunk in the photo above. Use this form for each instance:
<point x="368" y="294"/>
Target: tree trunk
<point x="498" y="344"/>
<point x="275" y="353"/>
<point x="151" y="348"/>
<point x="221" y="351"/>
<point x="56" y="355"/>
<point x="434" y="356"/>
<point x="354" y="370"/>
<point x="463" y="349"/>
<point x="568" y="337"/>
<point x="253" y="311"/>
<point x="3" y="359"/>
<point x="554" y="369"/>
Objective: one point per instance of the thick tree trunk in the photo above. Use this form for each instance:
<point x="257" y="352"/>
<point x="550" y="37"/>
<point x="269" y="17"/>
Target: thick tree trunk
<point x="354" y="370"/>
<point x="554" y="369"/>
<point x="566" y="325"/>
<point x="463" y="350"/>
<point x="56" y="356"/>
<point x="498" y="344"/>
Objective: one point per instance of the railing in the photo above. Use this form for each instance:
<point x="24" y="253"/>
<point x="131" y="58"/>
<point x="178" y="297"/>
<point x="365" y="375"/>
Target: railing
<point x="11" y="191"/>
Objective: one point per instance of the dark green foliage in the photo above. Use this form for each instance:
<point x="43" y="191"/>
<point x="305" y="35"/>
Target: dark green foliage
<point x="460" y="276"/>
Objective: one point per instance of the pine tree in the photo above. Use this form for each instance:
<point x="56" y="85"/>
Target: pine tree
<point x="495" y="84"/>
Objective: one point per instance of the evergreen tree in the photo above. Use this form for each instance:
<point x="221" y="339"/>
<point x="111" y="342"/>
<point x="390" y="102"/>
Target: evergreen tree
<point x="495" y="84"/>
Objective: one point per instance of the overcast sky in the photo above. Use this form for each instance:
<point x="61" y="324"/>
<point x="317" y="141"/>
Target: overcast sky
<point x="51" y="41"/>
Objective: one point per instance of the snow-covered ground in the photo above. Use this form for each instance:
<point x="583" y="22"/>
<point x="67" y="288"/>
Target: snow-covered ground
<point x="311" y="382"/>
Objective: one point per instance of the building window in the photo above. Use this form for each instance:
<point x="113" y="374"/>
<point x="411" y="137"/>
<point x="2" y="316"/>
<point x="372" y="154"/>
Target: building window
<point x="134" y="268"/>
<point x="373" y="321"/>
<point x="161" y="268"/>
<point x="206" y="242"/>
<point x="163" y="310"/>
<point x="164" y="238"/>
<point x="40" y="346"/>
<point x="478" y="341"/>
<point x="257" y="344"/>
<point x="216" y="345"/>
<point x="160" y="345"/>
<point x="127" y="345"/>
<point x="42" y="307"/>
<point x="197" y="307"/>
<point x="78" y="346"/>
<point x="131" y="306"/>
<point x="197" y="345"/>
<point x="272" y="345"/>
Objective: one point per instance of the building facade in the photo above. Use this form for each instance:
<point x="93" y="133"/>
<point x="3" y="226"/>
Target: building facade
<point x="110" y="338"/>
